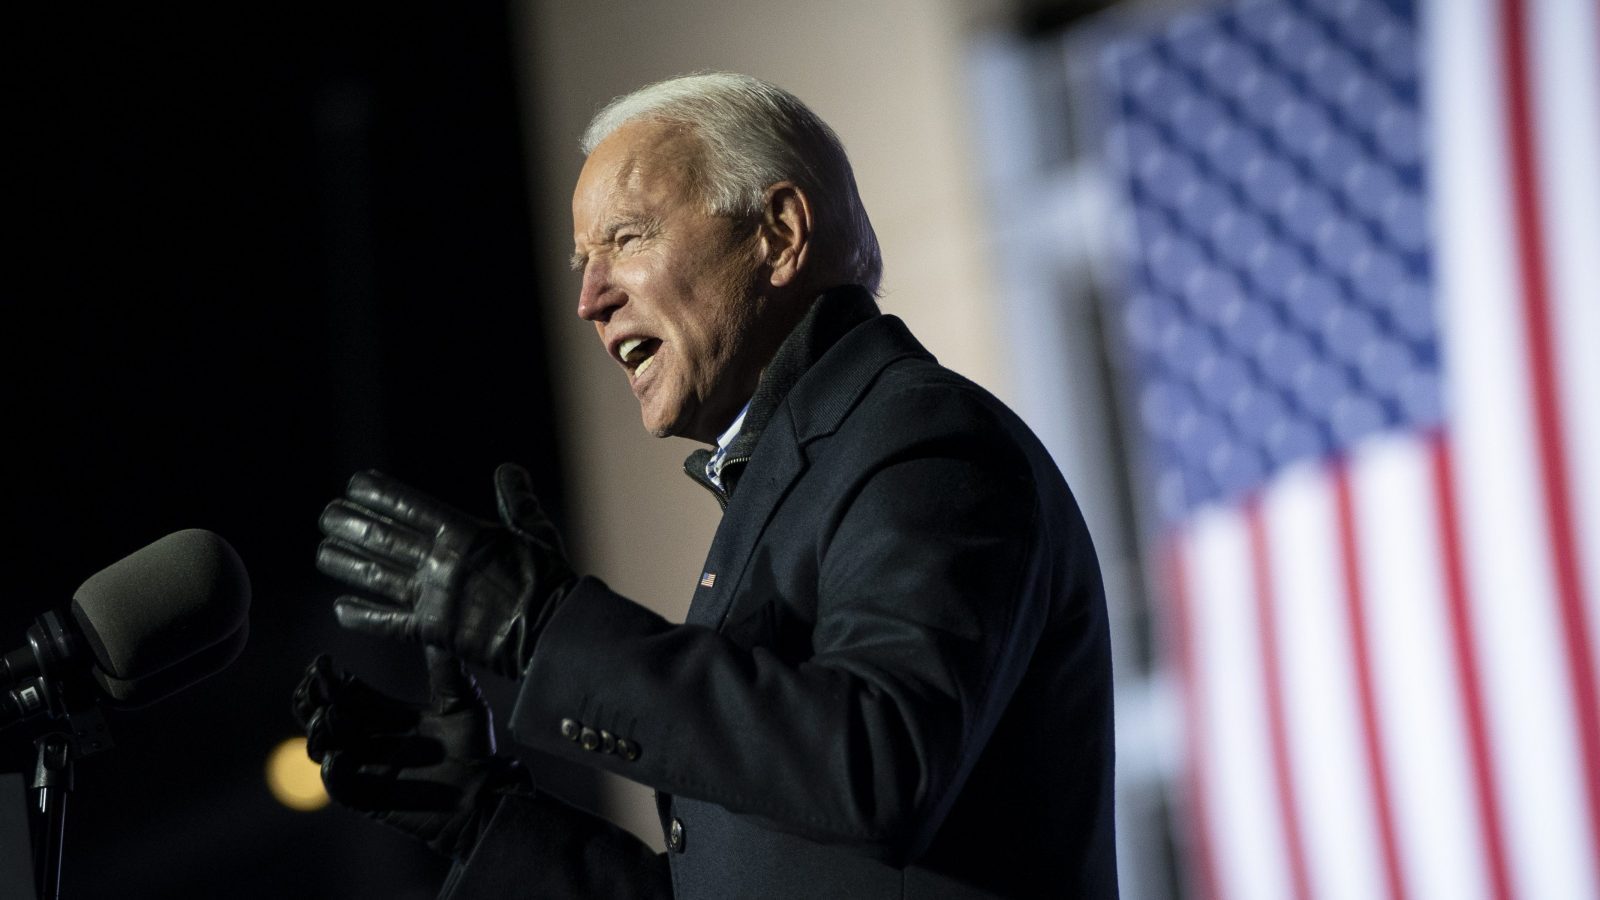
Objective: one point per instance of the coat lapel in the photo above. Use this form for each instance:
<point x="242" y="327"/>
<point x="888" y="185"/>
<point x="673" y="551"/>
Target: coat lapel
<point x="774" y="466"/>
<point x="813" y="409"/>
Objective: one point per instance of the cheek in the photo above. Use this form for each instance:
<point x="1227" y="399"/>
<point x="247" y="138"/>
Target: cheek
<point x="633" y="278"/>
<point x="656" y="286"/>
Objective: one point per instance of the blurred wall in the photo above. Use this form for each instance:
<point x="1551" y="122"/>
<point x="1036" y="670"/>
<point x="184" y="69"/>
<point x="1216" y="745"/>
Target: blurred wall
<point x="888" y="77"/>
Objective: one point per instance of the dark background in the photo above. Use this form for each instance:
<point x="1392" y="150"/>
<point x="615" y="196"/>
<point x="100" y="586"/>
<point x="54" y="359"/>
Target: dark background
<point x="254" y="249"/>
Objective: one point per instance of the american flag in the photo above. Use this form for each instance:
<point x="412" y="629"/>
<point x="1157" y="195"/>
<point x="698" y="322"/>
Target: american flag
<point x="1360" y="313"/>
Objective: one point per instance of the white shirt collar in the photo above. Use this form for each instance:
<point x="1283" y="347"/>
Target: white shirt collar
<point x="724" y="440"/>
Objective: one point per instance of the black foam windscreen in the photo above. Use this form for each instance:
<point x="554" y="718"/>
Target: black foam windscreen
<point x="163" y="603"/>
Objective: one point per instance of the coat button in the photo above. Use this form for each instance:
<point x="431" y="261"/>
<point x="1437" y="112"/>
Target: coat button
<point x="608" y="741"/>
<point x="675" y="836"/>
<point x="627" y="749"/>
<point x="569" y="729"/>
<point x="588" y="738"/>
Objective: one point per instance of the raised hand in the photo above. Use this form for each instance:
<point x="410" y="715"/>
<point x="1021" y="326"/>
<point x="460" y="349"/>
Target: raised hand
<point x="480" y="589"/>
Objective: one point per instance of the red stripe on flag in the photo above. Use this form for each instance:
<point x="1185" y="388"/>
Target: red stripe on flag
<point x="1181" y="644"/>
<point x="1463" y="643"/>
<point x="1356" y="606"/>
<point x="1272" y="679"/>
<point x="1546" y="398"/>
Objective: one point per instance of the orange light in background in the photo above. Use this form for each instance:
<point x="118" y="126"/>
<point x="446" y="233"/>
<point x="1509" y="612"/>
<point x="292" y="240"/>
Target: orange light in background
<point x="293" y="778"/>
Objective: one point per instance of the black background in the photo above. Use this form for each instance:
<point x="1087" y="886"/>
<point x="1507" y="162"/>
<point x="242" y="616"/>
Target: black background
<point x="254" y="248"/>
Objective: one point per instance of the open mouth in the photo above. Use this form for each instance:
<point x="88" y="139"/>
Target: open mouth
<point x="638" y="353"/>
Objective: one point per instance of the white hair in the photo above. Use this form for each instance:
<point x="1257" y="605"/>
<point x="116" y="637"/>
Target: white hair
<point x="756" y="134"/>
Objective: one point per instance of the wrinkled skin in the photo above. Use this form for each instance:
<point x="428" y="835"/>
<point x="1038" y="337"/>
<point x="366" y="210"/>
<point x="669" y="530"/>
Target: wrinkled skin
<point x="711" y="295"/>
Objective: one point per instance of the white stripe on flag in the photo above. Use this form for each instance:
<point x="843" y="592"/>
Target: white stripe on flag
<point x="1246" y="837"/>
<point x="1505" y="536"/>
<point x="1566" y="48"/>
<point x="1420" y="698"/>
<point x="1324" y="722"/>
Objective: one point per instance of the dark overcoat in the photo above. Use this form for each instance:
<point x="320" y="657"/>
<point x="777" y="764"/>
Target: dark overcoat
<point x="894" y="680"/>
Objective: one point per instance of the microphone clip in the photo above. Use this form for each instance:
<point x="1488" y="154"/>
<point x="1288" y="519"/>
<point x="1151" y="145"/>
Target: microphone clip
<point x="31" y="673"/>
<point x="38" y="682"/>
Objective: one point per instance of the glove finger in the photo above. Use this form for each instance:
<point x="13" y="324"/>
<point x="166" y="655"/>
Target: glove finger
<point x="317" y="742"/>
<point x="342" y="562"/>
<point x="314" y="690"/>
<point x="400" y="502"/>
<point x="380" y="619"/>
<point x="374" y="535"/>
<point x="519" y="506"/>
<point x="348" y="705"/>
<point x="451" y="687"/>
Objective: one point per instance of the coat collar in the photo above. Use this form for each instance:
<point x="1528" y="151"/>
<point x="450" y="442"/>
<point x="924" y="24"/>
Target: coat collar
<point x="838" y="317"/>
<point x="820" y="400"/>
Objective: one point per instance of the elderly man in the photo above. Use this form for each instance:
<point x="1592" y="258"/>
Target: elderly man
<point x="894" y="680"/>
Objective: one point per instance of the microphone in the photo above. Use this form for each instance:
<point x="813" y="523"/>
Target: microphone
<point x="158" y="620"/>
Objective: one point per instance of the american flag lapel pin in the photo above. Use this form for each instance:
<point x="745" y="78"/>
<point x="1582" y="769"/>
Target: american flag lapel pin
<point x="708" y="579"/>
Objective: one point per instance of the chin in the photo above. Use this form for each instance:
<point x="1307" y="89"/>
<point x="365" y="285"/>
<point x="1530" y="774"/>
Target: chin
<point x="661" y="426"/>
<point x="676" y="426"/>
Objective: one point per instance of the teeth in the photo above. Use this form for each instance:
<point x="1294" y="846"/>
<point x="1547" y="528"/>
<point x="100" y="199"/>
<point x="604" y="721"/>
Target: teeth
<point x="644" y="365"/>
<point x="627" y="348"/>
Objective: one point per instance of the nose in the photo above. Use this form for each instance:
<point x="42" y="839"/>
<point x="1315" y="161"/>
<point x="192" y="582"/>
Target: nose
<point x="599" y="297"/>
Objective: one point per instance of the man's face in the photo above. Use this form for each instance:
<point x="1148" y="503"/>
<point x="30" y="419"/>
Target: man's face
<point x="673" y="291"/>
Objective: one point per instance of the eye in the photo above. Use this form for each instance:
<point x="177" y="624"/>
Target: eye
<point x="627" y="237"/>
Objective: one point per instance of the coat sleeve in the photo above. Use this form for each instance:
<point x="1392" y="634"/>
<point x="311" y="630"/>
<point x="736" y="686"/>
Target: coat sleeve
<point x="539" y="846"/>
<point x="930" y="594"/>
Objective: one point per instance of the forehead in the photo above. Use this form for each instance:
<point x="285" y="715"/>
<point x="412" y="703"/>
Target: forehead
<point x="640" y="164"/>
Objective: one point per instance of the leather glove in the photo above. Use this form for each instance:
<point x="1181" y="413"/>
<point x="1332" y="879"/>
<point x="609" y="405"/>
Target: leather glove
<point x="483" y="590"/>
<point x="428" y="770"/>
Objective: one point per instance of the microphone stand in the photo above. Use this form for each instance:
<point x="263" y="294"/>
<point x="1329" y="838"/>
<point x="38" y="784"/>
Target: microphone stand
<point x="63" y="701"/>
<point x="52" y="781"/>
<point x="57" y="752"/>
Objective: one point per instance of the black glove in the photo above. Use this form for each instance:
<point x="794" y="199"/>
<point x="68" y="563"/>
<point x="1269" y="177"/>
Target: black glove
<point x="482" y="590"/>
<point x="427" y="769"/>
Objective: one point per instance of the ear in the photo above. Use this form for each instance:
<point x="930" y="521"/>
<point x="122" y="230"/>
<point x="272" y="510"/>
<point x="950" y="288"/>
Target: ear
<point x="785" y="233"/>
